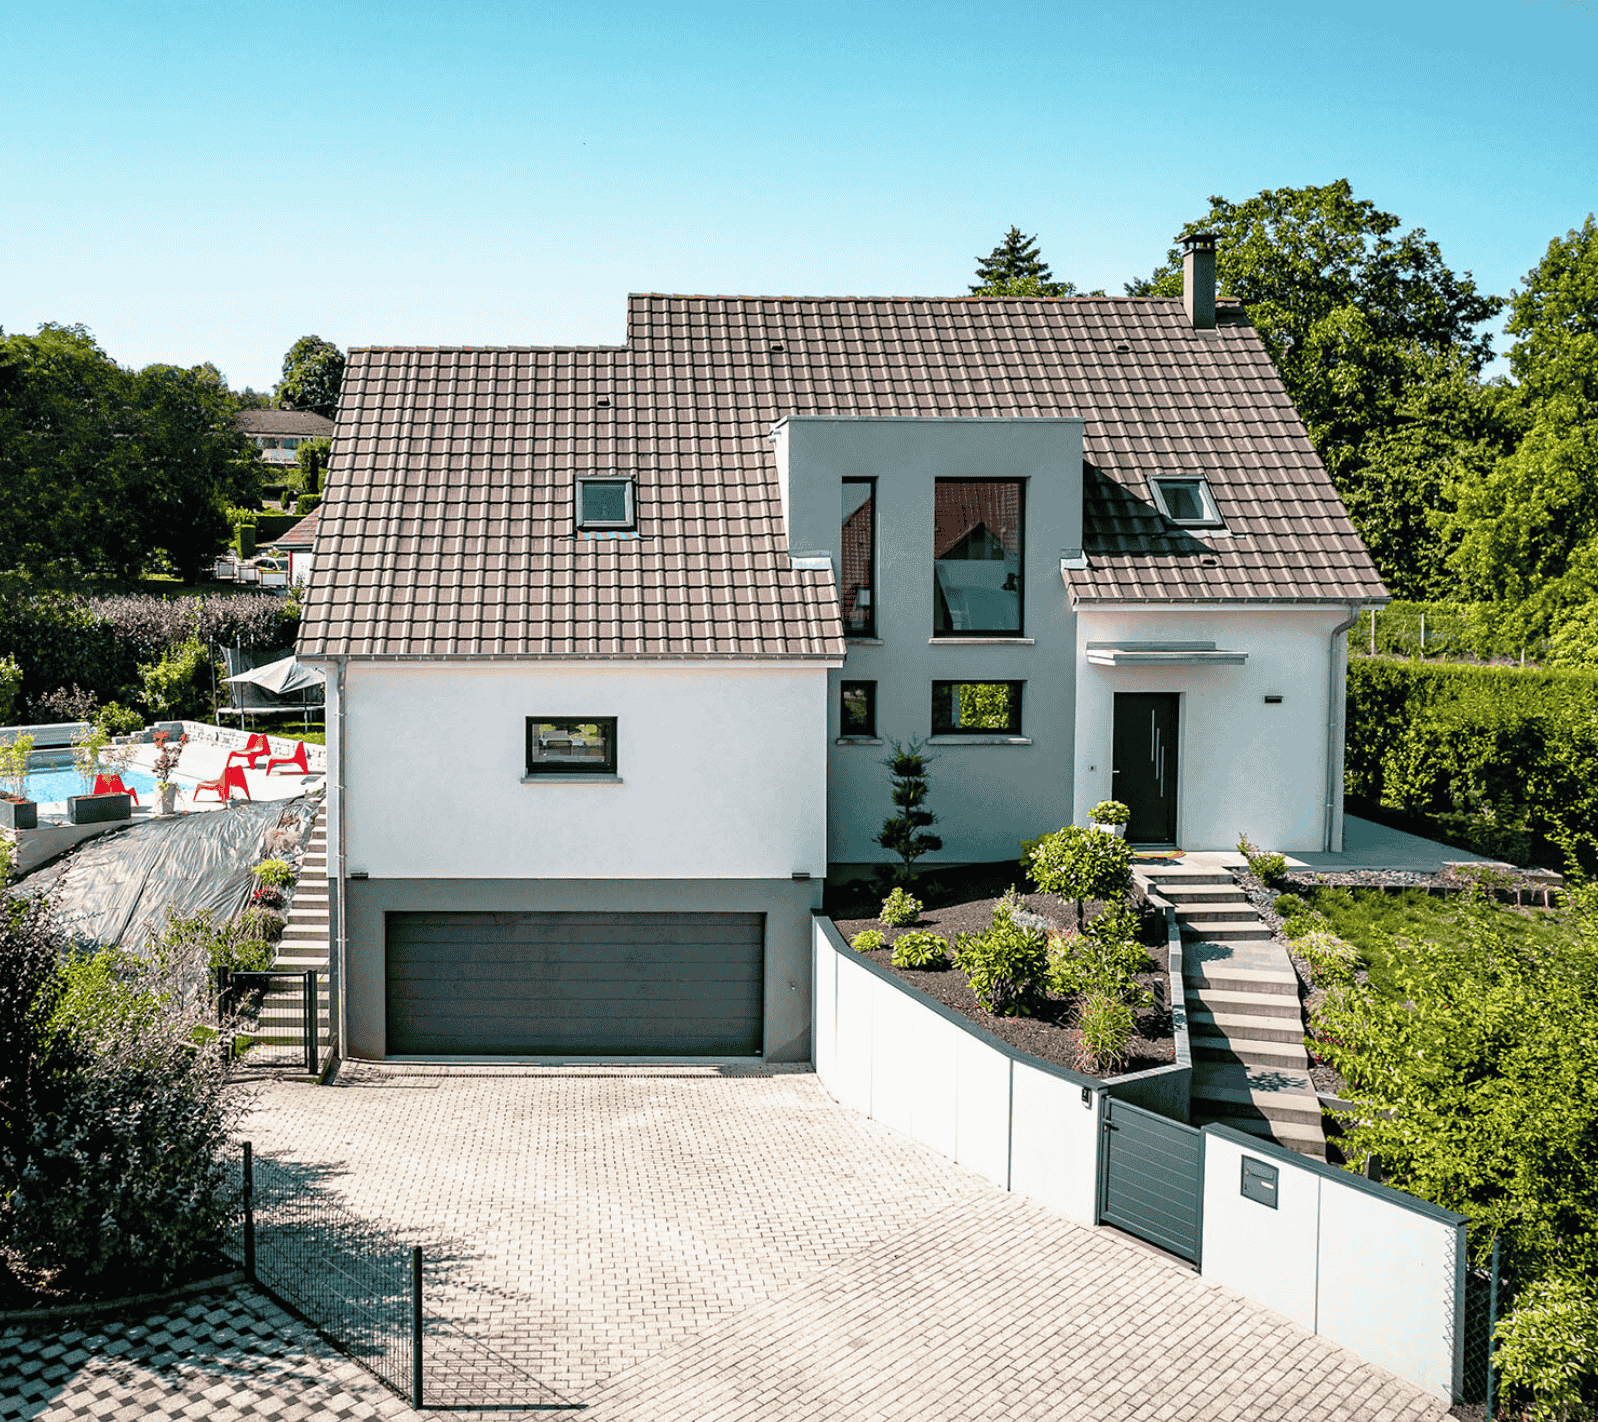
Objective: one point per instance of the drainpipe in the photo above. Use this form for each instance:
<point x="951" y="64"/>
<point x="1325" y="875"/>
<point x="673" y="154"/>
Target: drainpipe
<point x="1335" y="721"/>
<point x="341" y="934"/>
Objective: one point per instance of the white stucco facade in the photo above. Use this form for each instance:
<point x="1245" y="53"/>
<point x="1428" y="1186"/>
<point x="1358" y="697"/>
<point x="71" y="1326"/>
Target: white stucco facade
<point x="721" y="771"/>
<point x="1246" y="763"/>
<point x="992" y="791"/>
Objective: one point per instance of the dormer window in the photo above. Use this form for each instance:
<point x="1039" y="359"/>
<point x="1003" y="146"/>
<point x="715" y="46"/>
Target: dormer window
<point x="1186" y="502"/>
<point x="605" y="504"/>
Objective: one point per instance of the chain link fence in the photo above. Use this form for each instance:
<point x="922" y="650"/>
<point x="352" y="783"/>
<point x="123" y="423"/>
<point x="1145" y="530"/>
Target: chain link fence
<point x="375" y="1296"/>
<point x="1484" y="1304"/>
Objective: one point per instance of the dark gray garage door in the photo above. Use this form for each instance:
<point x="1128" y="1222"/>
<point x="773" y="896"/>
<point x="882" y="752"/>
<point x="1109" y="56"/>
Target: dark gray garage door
<point x="575" y="984"/>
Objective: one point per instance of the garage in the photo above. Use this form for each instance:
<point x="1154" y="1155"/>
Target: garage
<point x="575" y="984"/>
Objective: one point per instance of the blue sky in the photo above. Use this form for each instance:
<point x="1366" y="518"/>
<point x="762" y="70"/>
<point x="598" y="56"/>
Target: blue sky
<point x="210" y="181"/>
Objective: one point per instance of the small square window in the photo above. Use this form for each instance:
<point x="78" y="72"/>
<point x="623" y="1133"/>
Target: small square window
<point x="1186" y="502"/>
<point x="859" y="709"/>
<point x="583" y="745"/>
<point x="605" y="503"/>
<point x="976" y="708"/>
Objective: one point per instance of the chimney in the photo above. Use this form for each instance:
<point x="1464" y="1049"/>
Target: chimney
<point x="1198" y="279"/>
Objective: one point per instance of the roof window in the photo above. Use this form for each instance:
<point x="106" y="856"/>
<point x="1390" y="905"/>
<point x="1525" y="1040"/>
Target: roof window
<point x="605" y="504"/>
<point x="1186" y="502"/>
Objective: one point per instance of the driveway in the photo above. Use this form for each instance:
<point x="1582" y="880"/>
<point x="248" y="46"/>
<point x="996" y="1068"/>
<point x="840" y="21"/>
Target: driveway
<point x="666" y="1245"/>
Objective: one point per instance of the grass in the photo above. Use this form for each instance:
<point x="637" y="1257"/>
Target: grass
<point x="1371" y="919"/>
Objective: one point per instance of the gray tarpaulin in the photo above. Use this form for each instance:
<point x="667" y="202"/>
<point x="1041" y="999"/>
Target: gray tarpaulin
<point x="117" y="889"/>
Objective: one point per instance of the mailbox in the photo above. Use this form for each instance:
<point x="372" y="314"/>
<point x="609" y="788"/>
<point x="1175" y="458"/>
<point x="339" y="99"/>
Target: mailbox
<point x="1259" y="1181"/>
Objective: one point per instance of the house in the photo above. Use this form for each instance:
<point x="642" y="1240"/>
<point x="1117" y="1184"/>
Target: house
<point x="298" y="546"/>
<point x="280" y="433"/>
<point x="617" y="639"/>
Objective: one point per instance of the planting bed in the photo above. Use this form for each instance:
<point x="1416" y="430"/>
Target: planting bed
<point x="964" y="903"/>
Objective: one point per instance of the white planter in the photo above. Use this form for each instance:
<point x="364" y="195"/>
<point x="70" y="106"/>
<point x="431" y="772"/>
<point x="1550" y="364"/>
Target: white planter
<point x="1119" y="831"/>
<point x="169" y="801"/>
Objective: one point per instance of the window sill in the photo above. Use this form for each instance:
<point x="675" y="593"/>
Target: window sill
<point x="979" y="740"/>
<point x="858" y="741"/>
<point x="572" y="780"/>
<point x="982" y="641"/>
<point x="862" y="641"/>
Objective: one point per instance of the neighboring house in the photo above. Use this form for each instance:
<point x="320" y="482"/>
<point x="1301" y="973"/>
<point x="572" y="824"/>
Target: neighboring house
<point x="617" y="638"/>
<point x="280" y="433"/>
<point x="298" y="546"/>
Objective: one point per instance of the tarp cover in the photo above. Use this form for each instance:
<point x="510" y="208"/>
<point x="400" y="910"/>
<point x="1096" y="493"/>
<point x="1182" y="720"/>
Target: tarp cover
<point x="117" y="888"/>
<point x="282" y="676"/>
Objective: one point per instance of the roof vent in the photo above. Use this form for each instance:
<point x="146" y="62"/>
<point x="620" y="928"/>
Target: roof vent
<point x="1198" y="279"/>
<point x="776" y="347"/>
<point x="604" y="402"/>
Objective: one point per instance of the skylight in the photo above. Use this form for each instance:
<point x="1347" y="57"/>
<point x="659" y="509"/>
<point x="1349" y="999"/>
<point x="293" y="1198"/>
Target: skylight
<point x="1186" y="502"/>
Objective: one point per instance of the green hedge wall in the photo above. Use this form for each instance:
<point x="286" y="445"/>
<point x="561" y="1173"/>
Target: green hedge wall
<point x="1497" y="758"/>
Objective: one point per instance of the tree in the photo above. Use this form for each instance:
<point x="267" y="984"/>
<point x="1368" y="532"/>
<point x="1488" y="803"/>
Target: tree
<point x="1014" y="268"/>
<point x="1525" y="525"/>
<point x="1359" y="319"/>
<point x="905" y="833"/>
<point x="313" y="371"/>
<point x="1077" y="863"/>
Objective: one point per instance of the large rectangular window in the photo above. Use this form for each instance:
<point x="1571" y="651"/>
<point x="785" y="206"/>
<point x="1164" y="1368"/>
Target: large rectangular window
<point x="977" y="564"/>
<point x="976" y="708"/>
<point x="858" y="713"/>
<point x="574" y="746"/>
<point x="858" y="559"/>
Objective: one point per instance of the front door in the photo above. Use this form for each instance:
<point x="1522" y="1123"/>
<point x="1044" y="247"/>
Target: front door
<point x="1145" y="763"/>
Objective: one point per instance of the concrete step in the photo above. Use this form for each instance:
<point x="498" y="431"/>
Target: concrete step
<point x="1251" y="1050"/>
<point x="1255" y="1004"/>
<point x="1208" y="894"/>
<point x="1226" y="932"/>
<point x="1306" y="1140"/>
<point x="1177" y="878"/>
<point x="1274" y="1093"/>
<point x="1197" y="916"/>
<point x="1238" y="1027"/>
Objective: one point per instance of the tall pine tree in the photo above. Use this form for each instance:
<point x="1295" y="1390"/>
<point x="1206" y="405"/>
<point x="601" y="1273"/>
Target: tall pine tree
<point x="1015" y="268"/>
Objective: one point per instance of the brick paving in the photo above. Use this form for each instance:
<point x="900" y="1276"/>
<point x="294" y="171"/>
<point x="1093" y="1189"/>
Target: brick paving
<point x="670" y="1247"/>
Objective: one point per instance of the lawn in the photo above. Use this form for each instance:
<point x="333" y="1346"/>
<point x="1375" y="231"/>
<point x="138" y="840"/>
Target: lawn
<point x="1371" y="919"/>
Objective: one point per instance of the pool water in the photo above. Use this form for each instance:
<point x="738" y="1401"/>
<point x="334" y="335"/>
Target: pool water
<point x="51" y="786"/>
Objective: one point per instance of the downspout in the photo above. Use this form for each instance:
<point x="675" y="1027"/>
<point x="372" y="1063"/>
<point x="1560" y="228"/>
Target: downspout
<point x="1335" y="717"/>
<point x="341" y="933"/>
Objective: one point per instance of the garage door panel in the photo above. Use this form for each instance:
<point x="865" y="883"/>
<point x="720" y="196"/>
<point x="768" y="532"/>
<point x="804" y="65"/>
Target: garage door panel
<point x="538" y="984"/>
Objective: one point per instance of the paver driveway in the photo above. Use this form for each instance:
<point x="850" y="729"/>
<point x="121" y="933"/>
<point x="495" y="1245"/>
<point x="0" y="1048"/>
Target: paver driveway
<point x="700" y="1247"/>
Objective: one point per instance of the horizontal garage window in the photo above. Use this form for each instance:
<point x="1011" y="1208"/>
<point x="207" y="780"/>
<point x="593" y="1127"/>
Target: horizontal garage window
<point x="577" y="745"/>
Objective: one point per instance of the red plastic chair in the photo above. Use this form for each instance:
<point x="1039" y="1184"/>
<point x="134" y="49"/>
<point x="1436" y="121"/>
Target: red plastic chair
<point x="231" y="779"/>
<point x="254" y="749"/>
<point x="297" y="759"/>
<point x="112" y="785"/>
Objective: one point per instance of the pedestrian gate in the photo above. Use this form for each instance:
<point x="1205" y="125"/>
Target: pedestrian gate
<point x="1151" y="1178"/>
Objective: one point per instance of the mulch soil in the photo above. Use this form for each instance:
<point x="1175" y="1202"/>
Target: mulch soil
<point x="964" y="903"/>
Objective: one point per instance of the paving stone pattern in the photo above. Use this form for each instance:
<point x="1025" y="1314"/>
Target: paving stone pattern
<point x="662" y="1245"/>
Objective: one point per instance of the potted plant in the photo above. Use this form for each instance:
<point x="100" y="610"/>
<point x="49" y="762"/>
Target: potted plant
<point x="165" y="763"/>
<point x="1111" y="816"/>
<point x="17" y="811"/>
<point x="88" y="748"/>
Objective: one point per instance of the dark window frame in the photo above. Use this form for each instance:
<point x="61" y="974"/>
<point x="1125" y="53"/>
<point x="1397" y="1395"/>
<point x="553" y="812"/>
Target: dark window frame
<point x="576" y="767"/>
<point x="869" y="627"/>
<point x="941" y="699"/>
<point x="844" y="729"/>
<point x="597" y="525"/>
<point x="1019" y="630"/>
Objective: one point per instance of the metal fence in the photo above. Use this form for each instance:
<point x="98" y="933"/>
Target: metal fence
<point x="373" y="1295"/>
<point x="1483" y="1304"/>
<point x="1445" y="632"/>
<point x="279" y="1014"/>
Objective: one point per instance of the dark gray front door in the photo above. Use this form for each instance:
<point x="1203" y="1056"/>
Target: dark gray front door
<point x="1145" y="763"/>
<point x="575" y="984"/>
<point x="1152" y="1180"/>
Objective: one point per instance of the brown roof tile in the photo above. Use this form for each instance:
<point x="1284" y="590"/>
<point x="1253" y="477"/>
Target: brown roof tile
<point x="447" y="525"/>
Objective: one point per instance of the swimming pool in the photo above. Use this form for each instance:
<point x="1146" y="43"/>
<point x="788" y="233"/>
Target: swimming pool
<point x="50" y="784"/>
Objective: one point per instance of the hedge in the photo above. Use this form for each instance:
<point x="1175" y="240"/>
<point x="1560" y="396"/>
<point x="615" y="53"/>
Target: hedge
<point x="1497" y="758"/>
<point x="98" y="643"/>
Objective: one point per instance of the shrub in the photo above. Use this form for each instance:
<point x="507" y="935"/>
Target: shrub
<point x="1107" y="1024"/>
<point x="1287" y="905"/>
<point x="14" y="763"/>
<point x="868" y="940"/>
<point x="10" y="690"/>
<point x="1080" y="864"/>
<point x="899" y="908"/>
<point x="1305" y="921"/>
<point x="197" y="939"/>
<point x="88" y="747"/>
<point x="262" y="925"/>
<point x="276" y="873"/>
<point x="1271" y="869"/>
<point x="1110" y="812"/>
<point x="920" y="950"/>
<point x="268" y="896"/>
<point x="1006" y="965"/>
<point x="66" y="704"/>
<point x="1331" y="960"/>
<point x="1548" y="1347"/>
<point x="117" y="720"/>
<point x="905" y="833"/>
<point x="179" y="686"/>
<point x="1101" y="961"/>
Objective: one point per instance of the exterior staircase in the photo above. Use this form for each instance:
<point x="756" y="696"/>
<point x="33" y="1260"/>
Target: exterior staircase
<point x="1245" y="1026"/>
<point x="303" y="948"/>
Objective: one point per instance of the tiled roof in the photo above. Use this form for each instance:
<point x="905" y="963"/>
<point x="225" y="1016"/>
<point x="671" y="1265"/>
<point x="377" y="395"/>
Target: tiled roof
<point x="448" y="515"/>
<point x="303" y="533"/>
<point x="284" y="422"/>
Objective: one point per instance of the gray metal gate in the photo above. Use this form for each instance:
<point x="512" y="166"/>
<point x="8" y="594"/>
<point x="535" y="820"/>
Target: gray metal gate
<point x="1151" y="1178"/>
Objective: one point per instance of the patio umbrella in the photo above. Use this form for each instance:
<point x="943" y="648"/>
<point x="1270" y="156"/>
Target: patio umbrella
<point x="282" y="677"/>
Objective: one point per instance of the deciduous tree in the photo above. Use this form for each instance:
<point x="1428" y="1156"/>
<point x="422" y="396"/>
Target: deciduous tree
<point x="313" y="371"/>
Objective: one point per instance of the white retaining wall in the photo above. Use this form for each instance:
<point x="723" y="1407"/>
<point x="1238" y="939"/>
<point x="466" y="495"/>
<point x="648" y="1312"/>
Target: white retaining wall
<point x="910" y="1064"/>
